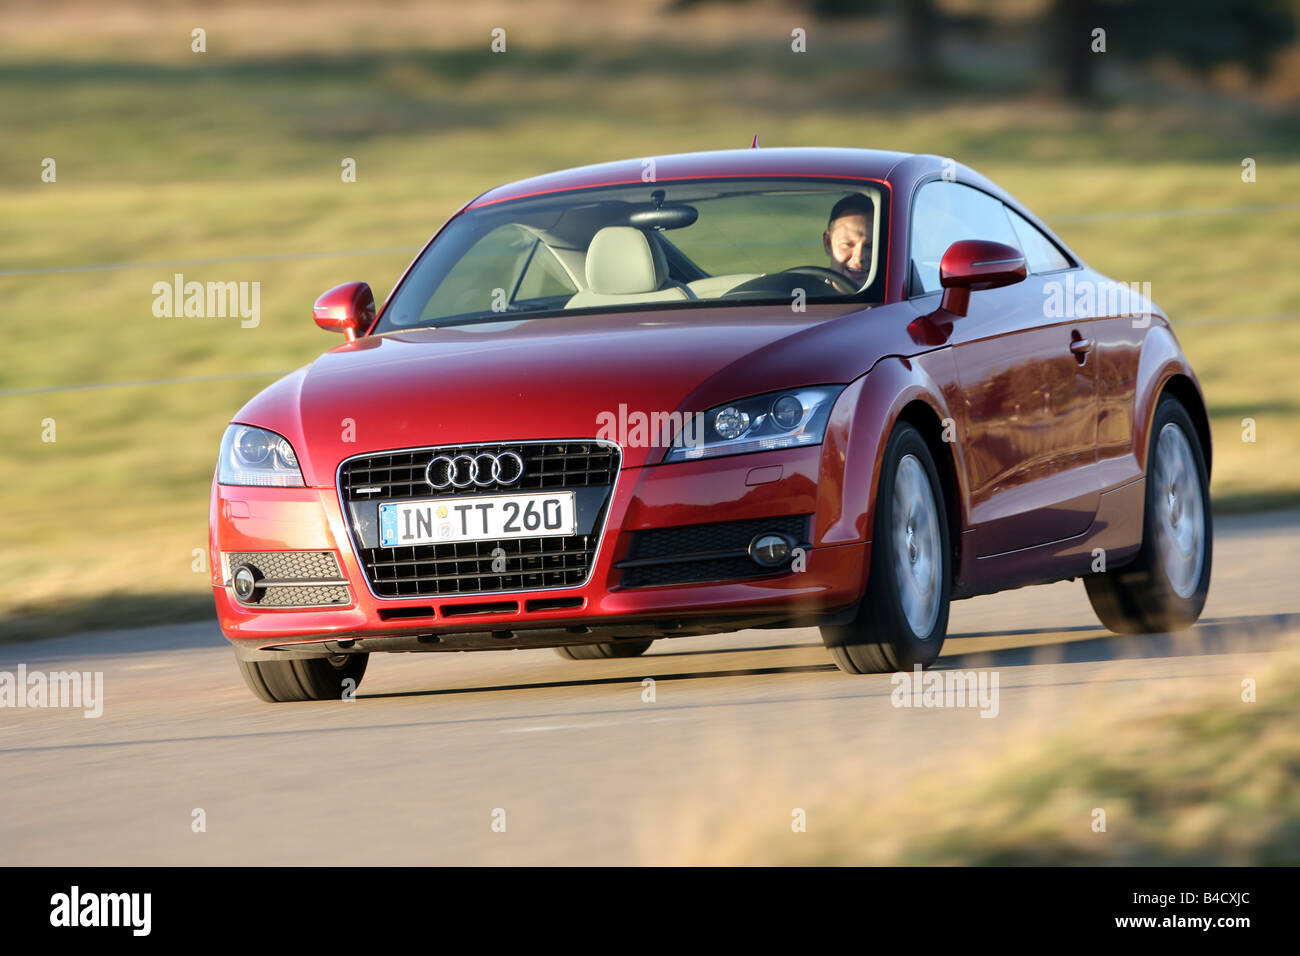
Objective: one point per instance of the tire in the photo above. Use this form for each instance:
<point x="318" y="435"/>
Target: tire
<point x="1163" y="589"/>
<point x="903" y="617"/>
<point x="600" y="652"/>
<point x="317" y="678"/>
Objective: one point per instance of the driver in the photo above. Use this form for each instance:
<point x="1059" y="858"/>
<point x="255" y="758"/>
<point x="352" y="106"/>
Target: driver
<point x="847" y="238"/>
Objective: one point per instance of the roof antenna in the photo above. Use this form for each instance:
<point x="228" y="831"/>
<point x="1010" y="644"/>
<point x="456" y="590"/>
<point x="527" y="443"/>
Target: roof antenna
<point x="754" y="144"/>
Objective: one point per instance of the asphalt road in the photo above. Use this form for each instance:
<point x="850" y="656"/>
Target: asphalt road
<point x="440" y="749"/>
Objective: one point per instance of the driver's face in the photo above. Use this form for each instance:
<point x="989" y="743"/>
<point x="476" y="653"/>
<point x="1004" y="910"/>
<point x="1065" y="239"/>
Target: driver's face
<point x="848" y="243"/>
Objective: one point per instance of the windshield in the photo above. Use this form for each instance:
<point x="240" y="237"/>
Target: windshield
<point x="674" y="245"/>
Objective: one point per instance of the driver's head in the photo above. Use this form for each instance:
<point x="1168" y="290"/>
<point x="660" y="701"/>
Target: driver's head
<point x="847" y="238"/>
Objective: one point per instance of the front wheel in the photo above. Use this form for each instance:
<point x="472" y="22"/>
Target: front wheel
<point x="1163" y="589"/>
<point x="316" y="678"/>
<point x="903" y="618"/>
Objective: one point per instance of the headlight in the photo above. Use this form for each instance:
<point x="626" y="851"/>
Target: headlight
<point x="786" y="419"/>
<point x="255" y="456"/>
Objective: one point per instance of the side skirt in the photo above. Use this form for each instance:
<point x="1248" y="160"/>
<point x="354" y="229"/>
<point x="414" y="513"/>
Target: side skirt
<point x="1115" y="535"/>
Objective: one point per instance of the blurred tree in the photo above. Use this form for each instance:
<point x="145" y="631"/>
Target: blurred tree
<point x="1071" y="23"/>
<point x="832" y="9"/>
<point x="1199" y="34"/>
<point x="921" y="24"/>
<point x="1204" y="34"/>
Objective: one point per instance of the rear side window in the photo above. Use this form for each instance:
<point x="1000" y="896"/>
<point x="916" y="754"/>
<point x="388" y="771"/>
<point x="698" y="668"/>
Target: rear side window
<point x="944" y="213"/>
<point x="1041" y="254"/>
<point x="495" y="261"/>
<point x="508" y="264"/>
<point x="543" y="277"/>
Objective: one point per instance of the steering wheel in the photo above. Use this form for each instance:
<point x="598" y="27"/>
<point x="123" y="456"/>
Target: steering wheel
<point x="839" y="281"/>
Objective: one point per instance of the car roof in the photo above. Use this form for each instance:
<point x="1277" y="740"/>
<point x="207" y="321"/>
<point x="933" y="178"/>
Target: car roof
<point x="830" y="163"/>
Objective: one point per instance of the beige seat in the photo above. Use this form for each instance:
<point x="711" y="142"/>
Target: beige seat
<point x="624" y="267"/>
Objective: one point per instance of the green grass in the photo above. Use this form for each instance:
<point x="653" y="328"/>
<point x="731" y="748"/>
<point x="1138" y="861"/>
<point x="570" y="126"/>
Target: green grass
<point x="164" y="156"/>
<point x="1206" y="781"/>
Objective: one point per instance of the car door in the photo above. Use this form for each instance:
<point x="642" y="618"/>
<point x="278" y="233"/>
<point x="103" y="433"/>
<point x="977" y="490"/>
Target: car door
<point x="1029" y="383"/>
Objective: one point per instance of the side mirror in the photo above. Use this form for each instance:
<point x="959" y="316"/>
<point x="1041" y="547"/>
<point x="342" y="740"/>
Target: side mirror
<point x="972" y="265"/>
<point x="347" y="308"/>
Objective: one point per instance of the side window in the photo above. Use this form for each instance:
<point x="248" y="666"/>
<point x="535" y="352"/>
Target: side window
<point x="944" y="213"/>
<point x="1041" y="254"/>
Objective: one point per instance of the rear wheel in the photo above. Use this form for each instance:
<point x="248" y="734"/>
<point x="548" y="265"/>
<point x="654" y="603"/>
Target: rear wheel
<point x="903" y="617"/>
<point x="317" y="678"/>
<point x="600" y="652"/>
<point x="1164" y="587"/>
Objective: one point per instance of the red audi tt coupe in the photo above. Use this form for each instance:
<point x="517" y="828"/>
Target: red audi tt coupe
<point x="699" y="393"/>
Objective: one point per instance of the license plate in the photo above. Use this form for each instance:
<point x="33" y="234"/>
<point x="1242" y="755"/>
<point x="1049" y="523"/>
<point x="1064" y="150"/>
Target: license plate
<point x="478" y="518"/>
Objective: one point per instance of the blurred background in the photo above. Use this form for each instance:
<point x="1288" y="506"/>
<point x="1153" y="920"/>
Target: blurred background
<point x="1163" y="150"/>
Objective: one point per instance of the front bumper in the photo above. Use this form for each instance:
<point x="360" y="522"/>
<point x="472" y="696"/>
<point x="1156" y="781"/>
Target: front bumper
<point x="742" y="487"/>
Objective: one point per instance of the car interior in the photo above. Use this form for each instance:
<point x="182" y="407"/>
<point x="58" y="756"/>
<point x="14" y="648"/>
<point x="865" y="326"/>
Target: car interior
<point x="723" y="243"/>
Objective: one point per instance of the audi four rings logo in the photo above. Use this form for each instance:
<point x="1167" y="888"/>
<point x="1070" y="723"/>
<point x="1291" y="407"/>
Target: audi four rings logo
<point x="462" y="471"/>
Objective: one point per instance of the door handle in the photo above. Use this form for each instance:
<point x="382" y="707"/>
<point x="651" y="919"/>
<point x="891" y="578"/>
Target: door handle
<point x="1080" y="346"/>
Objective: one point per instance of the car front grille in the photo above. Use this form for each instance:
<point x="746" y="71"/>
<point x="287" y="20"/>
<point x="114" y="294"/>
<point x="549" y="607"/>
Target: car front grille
<point x="689" y="554"/>
<point x="551" y="465"/>
<point x="478" y="567"/>
<point x="588" y="468"/>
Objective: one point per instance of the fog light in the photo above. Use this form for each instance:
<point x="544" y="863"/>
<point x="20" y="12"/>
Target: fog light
<point x="770" y="550"/>
<point x="244" y="581"/>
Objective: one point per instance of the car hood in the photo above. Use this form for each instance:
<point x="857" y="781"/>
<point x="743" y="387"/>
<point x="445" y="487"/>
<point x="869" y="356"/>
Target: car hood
<point x="551" y="378"/>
